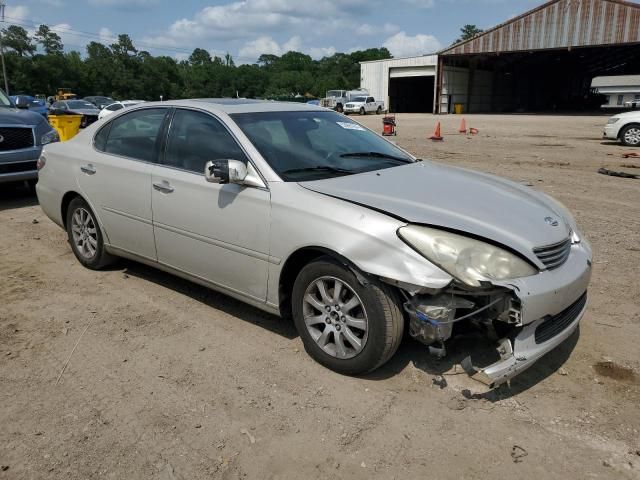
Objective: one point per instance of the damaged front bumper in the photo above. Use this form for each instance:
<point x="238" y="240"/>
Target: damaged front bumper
<point x="533" y="342"/>
<point x="534" y="316"/>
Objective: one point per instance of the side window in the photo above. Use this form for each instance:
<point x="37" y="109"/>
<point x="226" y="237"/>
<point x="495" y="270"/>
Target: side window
<point x="195" y="138"/>
<point x="135" y="135"/>
<point x="100" y="140"/>
<point x="113" y="108"/>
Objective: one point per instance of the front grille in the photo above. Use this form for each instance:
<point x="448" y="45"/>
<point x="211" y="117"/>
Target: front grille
<point x="556" y="324"/>
<point x="15" y="138"/>
<point x="18" y="167"/>
<point x="553" y="256"/>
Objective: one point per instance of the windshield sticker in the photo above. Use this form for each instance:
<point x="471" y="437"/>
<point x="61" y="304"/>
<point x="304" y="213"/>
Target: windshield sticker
<point x="351" y="126"/>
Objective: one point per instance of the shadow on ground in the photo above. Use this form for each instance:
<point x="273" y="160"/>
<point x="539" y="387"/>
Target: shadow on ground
<point x="16" y="195"/>
<point x="211" y="298"/>
<point x="482" y="351"/>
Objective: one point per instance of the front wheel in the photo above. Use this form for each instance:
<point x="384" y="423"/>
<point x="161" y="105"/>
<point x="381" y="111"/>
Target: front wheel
<point x="344" y="325"/>
<point x="630" y="135"/>
<point x="362" y="111"/>
<point x="85" y="236"/>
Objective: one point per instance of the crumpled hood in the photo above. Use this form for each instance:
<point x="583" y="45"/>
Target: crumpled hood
<point x="455" y="198"/>
<point x="16" y="116"/>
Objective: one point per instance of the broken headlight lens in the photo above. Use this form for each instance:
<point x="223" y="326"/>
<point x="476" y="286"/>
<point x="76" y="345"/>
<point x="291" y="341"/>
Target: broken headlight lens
<point x="612" y="121"/>
<point x="470" y="261"/>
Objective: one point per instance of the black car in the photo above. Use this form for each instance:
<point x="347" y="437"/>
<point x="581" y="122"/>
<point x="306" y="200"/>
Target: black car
<point x="99" y="101"/>
<point x="88" y="110"/>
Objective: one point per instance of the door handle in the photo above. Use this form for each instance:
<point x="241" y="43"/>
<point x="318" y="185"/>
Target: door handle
<point x="163" y="187"/>
<point x="88" y="169"/>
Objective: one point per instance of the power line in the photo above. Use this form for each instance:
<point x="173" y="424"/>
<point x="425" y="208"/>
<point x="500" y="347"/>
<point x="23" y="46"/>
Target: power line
<point x="34" y="23"/>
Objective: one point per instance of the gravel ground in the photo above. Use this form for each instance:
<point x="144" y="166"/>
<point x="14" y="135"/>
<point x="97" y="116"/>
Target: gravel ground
<point x="172" y="381"/>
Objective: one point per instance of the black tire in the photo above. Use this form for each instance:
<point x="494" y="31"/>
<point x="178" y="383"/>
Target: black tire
<point x="630" y="140"/>
<point x="362" y="111"/>
<point x="379" y="111"/>
<point x="100" y="257"/>
<point x="381" y="307"/>
<point x="339" y="108"/>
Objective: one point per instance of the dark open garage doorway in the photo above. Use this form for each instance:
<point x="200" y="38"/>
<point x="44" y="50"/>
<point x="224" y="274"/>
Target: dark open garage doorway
<point x="411" y="94"/>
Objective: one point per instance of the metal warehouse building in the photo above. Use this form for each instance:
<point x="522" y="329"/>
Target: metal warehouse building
<point x="543" y="60"/>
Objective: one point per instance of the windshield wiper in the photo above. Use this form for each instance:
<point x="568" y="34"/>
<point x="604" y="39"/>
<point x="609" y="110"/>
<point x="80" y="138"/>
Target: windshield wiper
<point x="376" y="155"/>
<point x="318" y="168"/>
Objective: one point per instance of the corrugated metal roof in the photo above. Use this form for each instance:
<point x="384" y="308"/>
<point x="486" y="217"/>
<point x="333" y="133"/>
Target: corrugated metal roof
<point x="616" y="81"/>
<point x="559" y="24"/>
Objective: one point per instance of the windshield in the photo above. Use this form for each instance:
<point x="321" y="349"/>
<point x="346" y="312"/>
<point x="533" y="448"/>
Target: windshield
<point x="360" y="99"/>
<point x="80" y="104"/>
<point x="335" y="93"/>
<point x="4" y="100"/>
<point x="302" y="146"/>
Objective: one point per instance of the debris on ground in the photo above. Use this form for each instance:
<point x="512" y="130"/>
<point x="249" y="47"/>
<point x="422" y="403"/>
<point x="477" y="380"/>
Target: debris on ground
<point x="439" y="381"/>
<point x="631" y="155"/>
<point x="562" y="371"/>
<point x="518" y="453"/>
<point x="252" y="439"/>
<point x="614" y="173"/>
<point x="456" y="403"/>
<point x="35" y="221"/>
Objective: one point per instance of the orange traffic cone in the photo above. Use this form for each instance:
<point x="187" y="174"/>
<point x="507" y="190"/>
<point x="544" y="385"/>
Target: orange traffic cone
<point x="474" y="131"/>
<point x="436" y="136"/>
<point x="463" y="126"/>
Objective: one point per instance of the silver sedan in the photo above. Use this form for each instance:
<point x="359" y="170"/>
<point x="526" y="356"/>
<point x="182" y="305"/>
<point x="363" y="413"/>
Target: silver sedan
<point x="307" y="214"/>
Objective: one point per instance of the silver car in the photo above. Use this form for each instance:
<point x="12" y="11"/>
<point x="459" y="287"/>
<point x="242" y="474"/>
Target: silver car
<point x="307" y="214"/>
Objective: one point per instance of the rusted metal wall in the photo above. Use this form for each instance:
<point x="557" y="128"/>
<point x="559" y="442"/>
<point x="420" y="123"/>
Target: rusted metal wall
<point x="560" y="24"/>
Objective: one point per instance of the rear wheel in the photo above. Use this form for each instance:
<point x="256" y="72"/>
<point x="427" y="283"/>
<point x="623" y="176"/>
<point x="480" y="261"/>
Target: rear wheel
<point x="379" y="111"/>
<point x="85" y="236"/>
<point x="630" y="135"/>
<point x="346" y="326"/>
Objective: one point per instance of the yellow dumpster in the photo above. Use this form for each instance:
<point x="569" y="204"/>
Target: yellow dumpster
<point x="67" y="126"/>
<point x="457" y="108"/>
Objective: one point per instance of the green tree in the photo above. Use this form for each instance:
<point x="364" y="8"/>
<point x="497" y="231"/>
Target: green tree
<point x="50" y="41"/>
<point x="199" y="57"/>
<point x="468" y="32"/>
<point x="17" y="39"/>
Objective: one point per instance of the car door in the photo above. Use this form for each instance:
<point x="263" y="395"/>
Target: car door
<point x="116" y="178"/>
<point x="219" y="233"/>
<point x="371" y="104"/>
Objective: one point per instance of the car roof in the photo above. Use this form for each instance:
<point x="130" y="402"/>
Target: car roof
<point x="238" y="105"/>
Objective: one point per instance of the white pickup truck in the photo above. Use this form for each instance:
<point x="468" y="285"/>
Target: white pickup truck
<point x="364" y="105"/>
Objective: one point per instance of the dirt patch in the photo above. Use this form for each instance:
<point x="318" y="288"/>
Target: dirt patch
<point x="616" y="372"/>
<point x="169" y="377"/>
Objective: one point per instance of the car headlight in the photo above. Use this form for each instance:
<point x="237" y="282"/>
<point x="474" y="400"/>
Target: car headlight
<point x="470" y="261"/>
<point x="612" y="121"/>
<point x="50" y="137"/>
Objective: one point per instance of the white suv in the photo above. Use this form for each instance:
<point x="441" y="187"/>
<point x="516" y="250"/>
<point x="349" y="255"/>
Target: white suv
<point x="624" y="127"/>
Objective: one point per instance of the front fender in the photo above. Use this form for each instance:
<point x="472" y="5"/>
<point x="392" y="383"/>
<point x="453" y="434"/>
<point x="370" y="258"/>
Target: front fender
<point x="367" y="238"/>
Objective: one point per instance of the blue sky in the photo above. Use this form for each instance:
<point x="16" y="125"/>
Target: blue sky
<point x="247" y="28"/>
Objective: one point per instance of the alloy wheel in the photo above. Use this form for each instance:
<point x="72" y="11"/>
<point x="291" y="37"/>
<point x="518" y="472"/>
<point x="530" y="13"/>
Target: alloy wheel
<point x="632" y="136"/>
<point x="335" y="317"/>
<point x="85" y="233"/>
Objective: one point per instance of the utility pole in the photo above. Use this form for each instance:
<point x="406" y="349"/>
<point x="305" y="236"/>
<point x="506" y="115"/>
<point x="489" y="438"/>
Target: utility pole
<point x="4" y="68"/>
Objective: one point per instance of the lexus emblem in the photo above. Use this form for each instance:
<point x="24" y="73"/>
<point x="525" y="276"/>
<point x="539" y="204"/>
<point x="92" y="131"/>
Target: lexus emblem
<point x="551" y="221"/>
<point x="1" y="139"/>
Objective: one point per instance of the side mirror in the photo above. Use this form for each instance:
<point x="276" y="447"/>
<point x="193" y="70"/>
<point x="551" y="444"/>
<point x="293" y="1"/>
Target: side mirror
<point x="22" y="104"/>
<point x="225" y="171"/>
